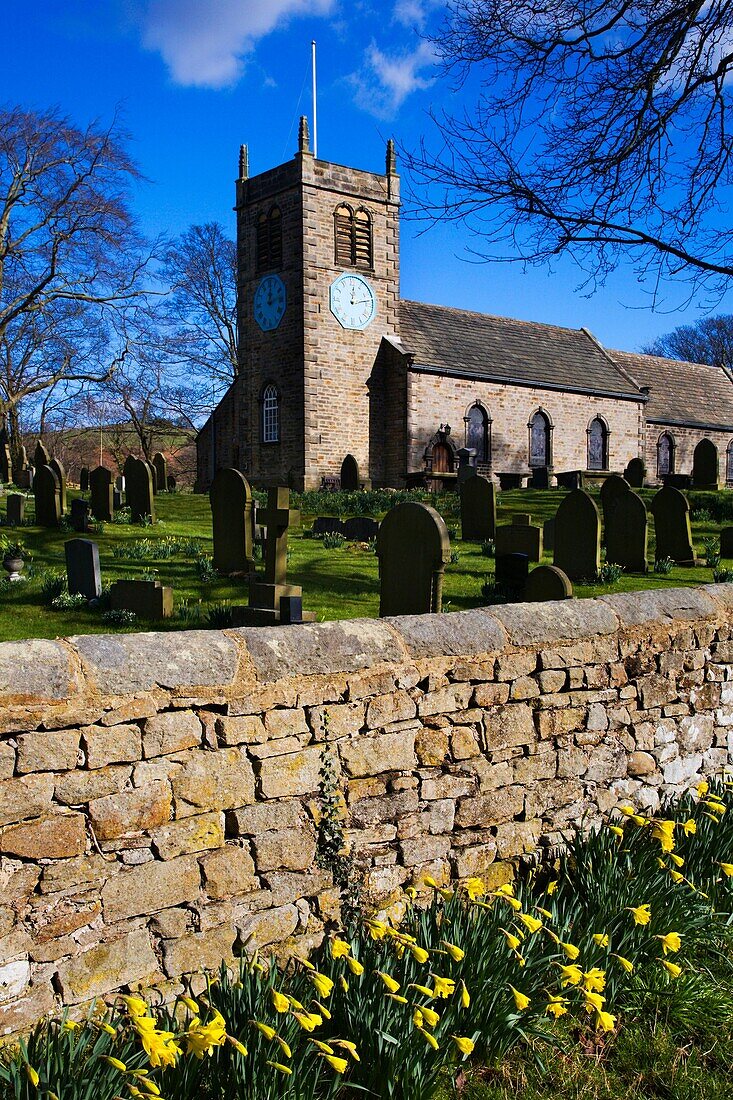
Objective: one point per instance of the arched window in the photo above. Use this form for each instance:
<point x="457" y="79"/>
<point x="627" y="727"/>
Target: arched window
<point x="270" y="414"/>
<point x="540" y="452"/>
<point x="269" y="240"/>
<point x="478" y="433"/>
<point x="352" y="237"/>
<point x="729" y="464"/>
<point x="665" y="454"/>
<point x="598" y="444"/>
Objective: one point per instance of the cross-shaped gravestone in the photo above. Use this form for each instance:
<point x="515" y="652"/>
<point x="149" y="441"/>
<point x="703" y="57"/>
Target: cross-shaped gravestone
<point x="266" y="591"/>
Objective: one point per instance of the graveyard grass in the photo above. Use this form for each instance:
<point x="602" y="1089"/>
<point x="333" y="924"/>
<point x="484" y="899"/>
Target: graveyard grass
<point x="337" y="583"/>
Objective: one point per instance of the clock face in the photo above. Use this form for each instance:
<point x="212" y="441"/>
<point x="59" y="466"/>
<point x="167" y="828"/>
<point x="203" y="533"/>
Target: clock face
<point x="352" y="301"/>
<point x="270" y="301"/>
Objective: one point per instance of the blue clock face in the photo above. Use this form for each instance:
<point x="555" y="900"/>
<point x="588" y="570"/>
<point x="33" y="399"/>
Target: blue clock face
<point x="270" y="301"/>
<point x="352" y="301"/>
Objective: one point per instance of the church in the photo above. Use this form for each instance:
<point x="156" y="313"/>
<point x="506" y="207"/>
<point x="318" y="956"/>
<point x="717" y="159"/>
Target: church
<point x="342" y="382"/>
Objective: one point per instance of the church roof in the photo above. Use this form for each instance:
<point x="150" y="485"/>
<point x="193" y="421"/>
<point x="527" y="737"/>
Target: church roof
<point x="478" y="345"/>
<point x="681" y="393"/>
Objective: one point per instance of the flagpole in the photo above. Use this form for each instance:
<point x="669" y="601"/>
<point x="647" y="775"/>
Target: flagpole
<point x="315" y="115"/>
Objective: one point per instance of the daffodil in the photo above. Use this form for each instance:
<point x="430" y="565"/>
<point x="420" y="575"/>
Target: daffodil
<point x="552" y="887"/>
<point x="464" y="1044"/>
<point x="475" y="888"/>
<point x="339" y="948"/>
<point x="397" y="997"/>
<point x="545" y="912"/>
<point x="594" y="979"/>
<point x="430" y="1038"/>
<point x="429" y="881"/>
<point x="514" y="902"/>
<point x="593" y="1000"/>
<point x="627" y="811"/>
<point x="308" y="1020"/>
<point x="338" y="1064"/>
<point x="571" y="975"/>
<point x="284" y="1047"/>
<point x="627" y="965"/>
<point x="389" y="981"/>
<point x="283" y="1069"/>
<point x="513" y="941"/>
<point x="280" y="1002"/>
<point x="663" y="831"/>
<point x="521" y="1000"/>
<point x="115" y="1063"/>
<point x="424" y="989"/>
<point x="322" y="983"/>
<point x="605" y="1021"/>
<point x="639" y="820"/>
<point x="347" y="1045"/>
<point x="672" y="968"/>
<point x="417" y="1018"/>
<point x="443" y="987"/>
<point x="202" y="1038"/>
<point x="465" y="996"/>
<point x="419" y="954"/>
<point x="727" y="869"/>
<point x="677" y="860"/>
<point x="570" y="950"/>
<point x="71" y="1025"/>
<point x="506" y="890"/>
<point x="343" y="983"/>
<point x="136" y="1006"/>
<point x="377" y="929"/>
<point x="430" y="1016"/>
<point x="191" y="1005"/>
<point x="355" y="966"/>
<point x="239" y="1047"/>
<point x="676" y="876"/>
<point x="616" y="830"/>
<point x="104" y="1026"/>
<point x="715" y="807"/>
<point x="671" y="942"/>
<point x="265" y="1029"/>
<point x="642" y="914"/>
<point x="456" y="953"/>
<point x="556" y="1006"/>
<point x="702" y="788"/>
<point x="689" y="827"/>
<point x="532" y="924"/>
<point x="150" y="1086"/>
<point x="602" y="939"/>
<point x="323" y="1047"/>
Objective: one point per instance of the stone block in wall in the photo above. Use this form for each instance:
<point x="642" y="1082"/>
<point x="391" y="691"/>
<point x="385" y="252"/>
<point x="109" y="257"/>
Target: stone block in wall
<point x="464" y="743"/>
<point x="259" y="817"/>
<point x="383" y="710"/>
<point x="77" y="787"/>
<point x="14" y="979"/>
<point x="271" y="926"/>
<point x="248" y="729"/>
<point x="431" y="746"/>
<point x="156" y="885"/>
<point x="445" y="700"/>
<point x="48" y="752"/>
<point x="130" y="811"/>
<point x="514" y="838"/>
<point x="284" y="849"/>
<point x="229" y="871"/>
<point x="54" y="837"/>
<point x="105" y="745"/>
<point x="51" y="917"/>
<point x="287" y="722"/>
<point x="641" y="764"/>
<point x="22" y="1014"/>
<point x="490" y="695"/>
<point x="474" y="860"/>
<point x="424" y="849"/>
<point x="609" y="760"/>
<point x="7" y="760"/>
<point x="439" y="817"/>
<point x="383" y="808"/>
<point x="683" y="770"/>
<point x="490" y="776"/>
<point x="656" y="690"/>
<point x="172" y="731"/>
<point x="79" y="871"/>
<point x="375" y="755"/>
<point x="27" y="797"/>
<point x="295" y="774"/>
<point x="447" y="786"/>
<point x="108" y="966"/>
<point x="560" y="720"/>
<point x="289" y="886"/>
<point x="199" y="951"/>
<point x="219" y="780"/>
<point x="190" y="834"/>
<point x="537" y="766"/>
<point x="695" y="733"/>
<point x="490" y="809"/>
<point x="510" y="725"/>
<point x="336" y="720"/>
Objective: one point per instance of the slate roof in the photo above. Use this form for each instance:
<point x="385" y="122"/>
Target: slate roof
<point x="477" y="345"/>
<point x="681" y="393"/>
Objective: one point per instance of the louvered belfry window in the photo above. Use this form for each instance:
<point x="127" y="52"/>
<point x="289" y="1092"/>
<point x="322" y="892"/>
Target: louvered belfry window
<point x="269" y="240"/>
<point x="353" y="237"/>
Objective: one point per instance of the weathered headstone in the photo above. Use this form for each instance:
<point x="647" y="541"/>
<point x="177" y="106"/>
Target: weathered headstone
<point x="82" y="568"/>
<point x="578" y="536"/>
<point x="413" y="548"/>
<point x="266" y="591"/>
<point x="139" y="483"/>
<point x="153" y="475"/>
<point x="548" y="534"/>
<point x="84" y="479"/>
<point x="478" y="509"/>
<point x="58" y="468"/>
<point x="47" y="493"/>
<point x="360" y="528"/>
<point x="120" y="483"/>
<point x="547" y="582"/>
<point x="626" y="533"/>
<point x="161" y="471"/>
<point x="117" y="501"/>
<point x="24" y="477"/>
<point x="466" y="464"/>
<point x="230" y="496"/>
<point x="635" y="473"/>
<point x="16" y="510"/>
<point x="101" y="494"/>
<point x="705" y="466"/>
<point x="612" y="488"/>
<point x="41" y="457"/>
<point x="540" y="478"/>
<point x="510" y="574"/>
<point x="171" y="483"/>
<point x="671" y="511"/>
<point x="79" y="515"/>
<point x="327" y="525"/>
<point x="570" y="479"/>
<point x="726" y="540"/>
<point x="521" y="536"/>
<point x="6" y="460"/>
<point x="148" y="599"/>
<point x="350" y="473"/>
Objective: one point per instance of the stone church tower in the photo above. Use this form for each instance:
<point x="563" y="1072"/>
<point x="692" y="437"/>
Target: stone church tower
<point x="318" y="290"/>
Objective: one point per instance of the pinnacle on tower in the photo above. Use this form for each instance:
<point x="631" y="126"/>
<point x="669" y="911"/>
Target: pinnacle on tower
<point x="243" y="162"/>
<point x="391" y="159"/>
<point x="304" y="138"/>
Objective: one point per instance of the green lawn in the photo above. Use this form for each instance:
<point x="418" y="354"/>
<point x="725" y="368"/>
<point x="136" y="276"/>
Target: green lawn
<point x="337" y="584"/>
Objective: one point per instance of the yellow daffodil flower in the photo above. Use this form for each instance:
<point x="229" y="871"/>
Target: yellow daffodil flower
<point x="418" y="1018"/>
<point x="639" y="820"/>
<point x="202" y="1038"/>
<point x="571" y="975"/>
<point x="104" y="1026"/>
<point x="424" y="989"/>
<point x="475" y="888"/>
<point x="594" y="1001"/>
<point x="506" y="890"/>
<point x="71" y="1025"/>
<point x="605" y="1021"/>
<point x="715" y="807"/>
<point x="322" y="983"/>
<point x="115" y="1063"/>
<point x="616" y="830"/>
<point x="323" y="1047"/>
<point x="430" y="1038"/>
<point x="355" y="966"/>
<point x="464" y="1044"/>
<point x="594" y="980"/>
<point x="308" y="1020"/>
<point x="339" y="948"/>
<point x="191" y="1005"/>
<point x="676" y="876"/>
<point x="239" y="1047"/>
<point x="642" y="914"/>
<point x="677" y="860"/>
<point x="544" y="912"/>
<point x="556" y="1006"/>
<point x="513" y="941"/>
<point x="702" y="788"/>
<point x="150" y="1086"/>
<point x="602" y="939"/>
<point x="627" y="965"/>
<point x="295" y="1003"/>
<point x="389" y="981"/>
<point x="419" y="954"/>
<point x="430" y="1017"/>
<point x="347" y="1045"/>
<point x="443" y="987"/>
<point x="532" y="924"/>
<point x="671" y="942"/>
<point x="377" y="929"/>
<point x="336" y="1063"/>
<point x="280" y="1002"/>
<point x="456" y="953"/>
<point x="283" y="1069"/>
<point x="663" y="831"/>
<point x="283" y="1046"/>
<point x="672" y="968"/>
<point x="521" y="1000"/>
<point x="397" y="997"/>
<point x="265" y="1029"/>
<point x="689" y="827"/>
<point x="429" y="881"/>
<point x="514" y="902"/>
<point x="570" y="950"/>
<point x="465" y="996"/>
<point x="552" y="887"/>
<point x="343" y="983"/>
<point x="627" y="811"/>
<point x="727" y="869"/>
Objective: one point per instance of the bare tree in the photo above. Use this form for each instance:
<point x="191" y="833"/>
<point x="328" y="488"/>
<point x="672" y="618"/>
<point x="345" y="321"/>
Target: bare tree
<point x="71" y="256"/>
<point x="709" y="340"/>
<point x="601" y="129"/>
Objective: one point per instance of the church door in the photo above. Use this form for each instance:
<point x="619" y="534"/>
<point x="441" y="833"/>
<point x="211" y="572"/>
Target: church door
<point x="442" y="459"/>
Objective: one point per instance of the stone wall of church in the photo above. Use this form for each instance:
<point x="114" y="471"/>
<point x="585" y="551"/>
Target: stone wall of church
<point x="217" y="443"/>
<point x="159" y="793"/>
<point x="436" y="399"/>
<point x="685" y="439"/>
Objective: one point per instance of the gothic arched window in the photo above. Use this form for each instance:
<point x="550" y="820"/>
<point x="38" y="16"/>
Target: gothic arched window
<point x="270" y="414"/>
<point x="665" y="454"/>
<point x="269" y="240"/>
<point x="478" y="433"/>
<point x="729" y="463"/>
<point x="539" y="440"/>
<point x="598" y="444"/>
<point x="352" y="237"/>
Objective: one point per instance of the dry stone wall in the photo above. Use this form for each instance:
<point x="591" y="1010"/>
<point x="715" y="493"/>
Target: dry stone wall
<point x="159" y="793"/>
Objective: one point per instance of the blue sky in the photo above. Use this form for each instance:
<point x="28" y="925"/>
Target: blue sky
<point x="195" y="78"/>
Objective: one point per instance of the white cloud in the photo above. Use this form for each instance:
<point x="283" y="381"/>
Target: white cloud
<point x="414" y="13"/>
<point x="386" y="80"/>
<point x="204" y="43"/>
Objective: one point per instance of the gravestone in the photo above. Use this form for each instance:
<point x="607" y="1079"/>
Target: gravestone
<point x="360" y="528"/>
<point x="101" y="494"/>
<point x="540" y="478"/>
<point x="153" y="475"/>
<point x="160" y="464"/>
<point x="41" y="457"/>
<point x="578" y="536"/>
<point x="570" y="479"/>
<point x="327" y="525"/>
<point x="60" y="472"/>
<point x="547" y="582"/>
<point x="726" y="540"/>
<point x="478" y="509"/>
<point x="511" y="572"/>
<point x="117" y="501"/>
<point x="79" y="515"/>
<point x="626" y="533"/>
<point x="705" y="467"/>
<point x="466" y="464"/>
<point x="6" y="460"/>
<point x="24" y="477"/>
<point x="350" y="474"/>
<point x="413" y="548"/>
<point x="635" y="473"/>
<point x="148" y="599"/>
<point x="171" y="483"/>
<point x="47" y="493"/>
<point x="16" y="510"/>
<point x="82" y="568"/>
<point x="268" y="590"/>
<point x="84" y="479"/>
<point x="548" y="534"/>
<point x="521" y="536"/>
<point x="230" y="496"/>
<point x="612" y="488"/>
<point x="139" y="483"/>
<point x="671" y="511"/>
<point x="120" y="483"/>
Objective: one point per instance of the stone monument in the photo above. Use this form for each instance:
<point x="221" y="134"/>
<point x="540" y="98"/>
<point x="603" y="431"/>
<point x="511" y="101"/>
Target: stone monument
<point x="413" y="548"/>
<point x="230" y="496"/>
<point x="478" y="509"/>
<point x="578" y="536"/>
<point x="82" y="568"/>
<point x="47" y="493"/>
<point x="101" y="493"/>
<point x="671" y="511"/>
<point x="271" y="598"/>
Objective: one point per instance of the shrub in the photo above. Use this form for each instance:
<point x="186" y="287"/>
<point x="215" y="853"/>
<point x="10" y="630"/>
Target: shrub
<point x="122" y="517"/>
<point x="610" y="573"/>
<point x="53" y="585"/>
<point x="722" y="576"/>
<point x="488" y="548"/>
<point x="205" y="568"/>
<point x="455" y="557"/>
<point x="663" y="565"/>
<point x="219" y="616"/>
<point x="66" y="602"/>
<point x="333" y="540"/>
<point x="119" y="617"/>
<point x="712" y="552"/>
